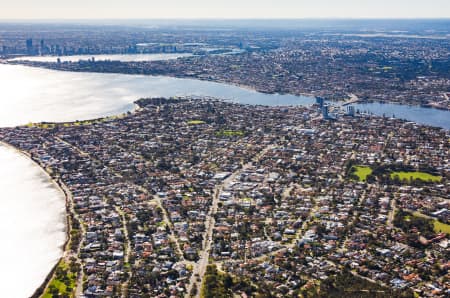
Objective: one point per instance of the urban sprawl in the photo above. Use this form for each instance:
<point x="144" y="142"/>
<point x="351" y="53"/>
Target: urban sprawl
<point x="196" y="196"/>
<point x="337" y="64"/>
<point x="201" y="197"/>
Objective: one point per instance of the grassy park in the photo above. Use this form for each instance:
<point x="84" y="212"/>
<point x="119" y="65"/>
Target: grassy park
<point x="362" y="172"/>
<point x="195" y="122"/>
<point x="441" y="227"/>
<point x="415" y="175"/>
<point x="230" y="133"/>
<point x="51" y="125"/>
<point x="438" y="226"/>
<point x="62" y="283"/>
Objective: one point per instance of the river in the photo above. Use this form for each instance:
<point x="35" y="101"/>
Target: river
<point x="32" y="94"/>
<point x="114" y="57"/>
<point x="433" y="117"/>
<point x="31" y="217"/>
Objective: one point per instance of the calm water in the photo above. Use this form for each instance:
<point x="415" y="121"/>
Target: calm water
<point x="115" y="57"/>
<point x="32" y="225"/>
<point x="33" y="207"/>
<point x="32" y="94"/>
<point x="417" y="114"/>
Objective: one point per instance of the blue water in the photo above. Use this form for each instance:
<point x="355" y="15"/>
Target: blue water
<point x="427" y="116"/>
<point x="30" y="94"/>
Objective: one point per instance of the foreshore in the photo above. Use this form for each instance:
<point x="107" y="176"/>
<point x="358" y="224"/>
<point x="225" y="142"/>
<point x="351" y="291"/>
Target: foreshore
<point x="60" y="186"/>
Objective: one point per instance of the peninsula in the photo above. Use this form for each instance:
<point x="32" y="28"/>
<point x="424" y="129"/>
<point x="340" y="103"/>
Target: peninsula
<point x="190" y="197"/>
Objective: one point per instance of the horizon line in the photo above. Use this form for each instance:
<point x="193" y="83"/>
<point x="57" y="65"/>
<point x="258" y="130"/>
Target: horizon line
<point x="223" y="19"/>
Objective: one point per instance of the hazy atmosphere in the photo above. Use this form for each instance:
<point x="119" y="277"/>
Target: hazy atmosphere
<point x="104" y="9"/>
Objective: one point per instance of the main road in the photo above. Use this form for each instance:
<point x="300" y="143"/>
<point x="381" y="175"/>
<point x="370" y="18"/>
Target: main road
<point x="200" y="266"/>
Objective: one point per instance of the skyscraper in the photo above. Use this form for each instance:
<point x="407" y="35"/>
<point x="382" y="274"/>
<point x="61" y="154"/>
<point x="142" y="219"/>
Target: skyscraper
<point x="325" y="112"/>
<point x="29" y="44"/>
<point x="351" y="111"/>
<point x="320" y="101"/>
<point x="42" y="49"/>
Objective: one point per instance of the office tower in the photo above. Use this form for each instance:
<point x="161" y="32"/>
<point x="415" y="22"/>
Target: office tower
<point x="325" y="112"/>
<point x="42" y="49"/>
<point x="320" y="101"/>
<point x="351" y="111"/>
<point x="29" y="43"/>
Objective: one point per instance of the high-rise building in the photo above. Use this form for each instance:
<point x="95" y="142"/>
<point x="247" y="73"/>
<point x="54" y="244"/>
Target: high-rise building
<point x="320" y="101"/>
<point x="42" y="49"/>
<point x="325" y="112"/>
<point x="29" y="43"/>
<point x="351" y="111"/>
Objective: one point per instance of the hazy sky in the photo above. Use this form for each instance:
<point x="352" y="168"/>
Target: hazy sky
<point x="150" y="9"/>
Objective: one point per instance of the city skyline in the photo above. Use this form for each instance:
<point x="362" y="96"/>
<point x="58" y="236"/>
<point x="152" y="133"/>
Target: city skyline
<point x="232" y="9"/>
